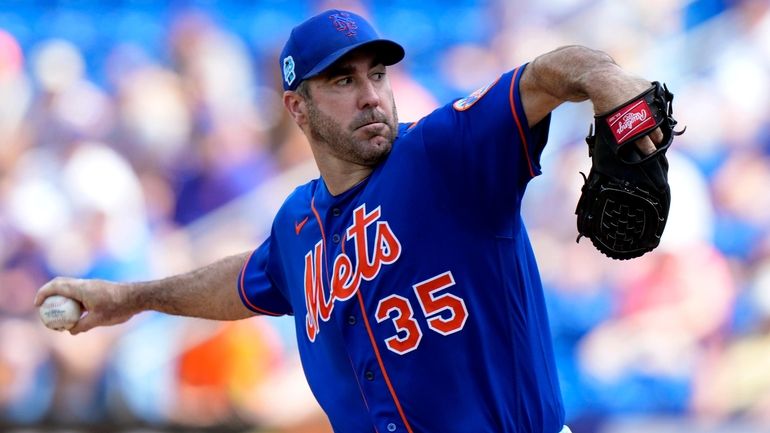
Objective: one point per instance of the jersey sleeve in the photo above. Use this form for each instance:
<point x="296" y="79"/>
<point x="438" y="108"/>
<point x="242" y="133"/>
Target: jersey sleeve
<point x="257" y="289"/>
<point x="482" y="143"/>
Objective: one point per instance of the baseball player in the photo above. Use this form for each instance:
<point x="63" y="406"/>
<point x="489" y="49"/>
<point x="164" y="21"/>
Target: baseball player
<point x="406" y="265"/>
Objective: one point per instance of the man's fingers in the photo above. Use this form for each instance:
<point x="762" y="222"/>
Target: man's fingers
<point x="657" y="137"/>
<point x="42" y="293"/>
<point x="57" y="286"/>
<point x="39" y="298"/>
<point x="85" y="323"/>
<point x="645" y="145"/>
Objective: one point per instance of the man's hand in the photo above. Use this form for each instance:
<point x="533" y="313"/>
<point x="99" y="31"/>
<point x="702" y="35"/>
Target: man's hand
<point x="106" y="303"/>
<point x="575" y="74"/>
<point x="614" y="87"/>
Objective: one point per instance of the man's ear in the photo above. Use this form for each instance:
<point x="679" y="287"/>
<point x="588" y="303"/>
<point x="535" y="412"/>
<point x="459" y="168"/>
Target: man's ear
<point x="295" y="105"/>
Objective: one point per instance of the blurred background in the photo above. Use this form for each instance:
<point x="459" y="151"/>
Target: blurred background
<point x="140" y="139"/>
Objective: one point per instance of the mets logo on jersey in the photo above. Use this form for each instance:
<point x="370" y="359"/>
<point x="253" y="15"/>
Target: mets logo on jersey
<point x="468" y="101"/>
<point x="343" y="22"/>
<point x="346" y="277"/>
<point x="444" y="313"/>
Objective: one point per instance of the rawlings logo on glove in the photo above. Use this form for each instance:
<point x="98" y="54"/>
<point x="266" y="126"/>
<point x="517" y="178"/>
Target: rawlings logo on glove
<point x="627" y="125"/>
<point x="623" y="207"/>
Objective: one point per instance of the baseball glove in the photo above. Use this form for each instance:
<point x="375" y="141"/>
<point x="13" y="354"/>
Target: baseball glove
<point x="625" y="199"/>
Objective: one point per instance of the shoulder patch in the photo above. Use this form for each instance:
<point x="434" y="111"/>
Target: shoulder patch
<point x="468" y="101"/>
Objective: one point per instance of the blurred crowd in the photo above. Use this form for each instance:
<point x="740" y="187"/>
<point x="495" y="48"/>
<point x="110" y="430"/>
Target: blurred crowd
<point x="142" y="139"/>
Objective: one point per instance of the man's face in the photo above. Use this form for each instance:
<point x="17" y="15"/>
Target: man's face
<point x="351" y="112"/>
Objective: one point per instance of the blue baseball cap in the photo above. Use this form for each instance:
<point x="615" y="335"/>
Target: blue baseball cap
<point x="323" y="39"/>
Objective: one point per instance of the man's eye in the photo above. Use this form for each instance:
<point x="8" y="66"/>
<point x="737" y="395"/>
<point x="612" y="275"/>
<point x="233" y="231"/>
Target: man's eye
<point x="343" y="81"/>
<point x="378" y="75"/>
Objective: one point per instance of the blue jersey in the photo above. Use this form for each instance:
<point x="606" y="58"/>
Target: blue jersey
<point x="416" y="297"/>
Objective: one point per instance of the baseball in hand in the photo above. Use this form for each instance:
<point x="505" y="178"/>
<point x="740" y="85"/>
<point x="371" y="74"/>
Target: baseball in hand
<point x="60" y="313"/>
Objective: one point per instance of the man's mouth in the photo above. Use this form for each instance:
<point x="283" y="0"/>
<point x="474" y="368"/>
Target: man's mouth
<point x="372" y="127"/>
<point x="371" y="119"/>
<point x="371" y="124"/>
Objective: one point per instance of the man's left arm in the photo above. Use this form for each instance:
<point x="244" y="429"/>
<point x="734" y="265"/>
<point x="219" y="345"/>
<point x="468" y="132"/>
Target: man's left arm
<point x="575" y="74"/>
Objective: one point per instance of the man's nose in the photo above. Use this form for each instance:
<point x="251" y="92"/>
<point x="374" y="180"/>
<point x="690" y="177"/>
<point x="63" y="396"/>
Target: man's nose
<point x="368" y="98"/>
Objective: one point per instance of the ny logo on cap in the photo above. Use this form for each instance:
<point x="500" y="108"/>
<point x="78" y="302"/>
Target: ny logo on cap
<point x="343" y="22"/>
<point x="288" y="70"/>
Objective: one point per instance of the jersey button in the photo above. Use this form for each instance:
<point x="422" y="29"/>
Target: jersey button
<point x="336" y="238"/>
<point x="369" y="375"/>
<point x="351" y="320"/>
<point x="336" y="211"/>
<point x="391" y="427"/>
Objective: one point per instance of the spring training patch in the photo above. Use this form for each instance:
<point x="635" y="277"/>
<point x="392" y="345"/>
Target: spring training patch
<point x="288" y="70"/>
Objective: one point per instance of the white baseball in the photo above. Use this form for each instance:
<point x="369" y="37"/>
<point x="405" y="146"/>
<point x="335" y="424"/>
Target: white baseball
<point x="60" y="313"/>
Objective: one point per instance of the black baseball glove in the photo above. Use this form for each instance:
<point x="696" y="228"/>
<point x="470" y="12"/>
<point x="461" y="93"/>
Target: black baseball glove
<point x="624" y="203"/>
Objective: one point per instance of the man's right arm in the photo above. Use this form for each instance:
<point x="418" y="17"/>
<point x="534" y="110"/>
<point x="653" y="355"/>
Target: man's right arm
<point x="209" y="293"/>
<point x="575" y="74"/>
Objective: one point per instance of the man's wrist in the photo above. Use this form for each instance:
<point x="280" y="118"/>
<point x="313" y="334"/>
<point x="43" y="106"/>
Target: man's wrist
<point x="608" y="86"/>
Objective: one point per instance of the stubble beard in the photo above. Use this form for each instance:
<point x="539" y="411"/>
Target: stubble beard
<point x="340" y="141"/>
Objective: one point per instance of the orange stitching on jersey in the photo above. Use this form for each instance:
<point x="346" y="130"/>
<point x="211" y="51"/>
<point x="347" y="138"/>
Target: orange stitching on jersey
<point x="323" y="237"/>
<point x="518" y="123"/>
<point x="243" y="290"/>
<point x="379" y="361"/>
<point x="360" y="388"/>
<point x="382" y="365"/>
<point x="368" y="330"/>
<point x="358" y="382"/>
